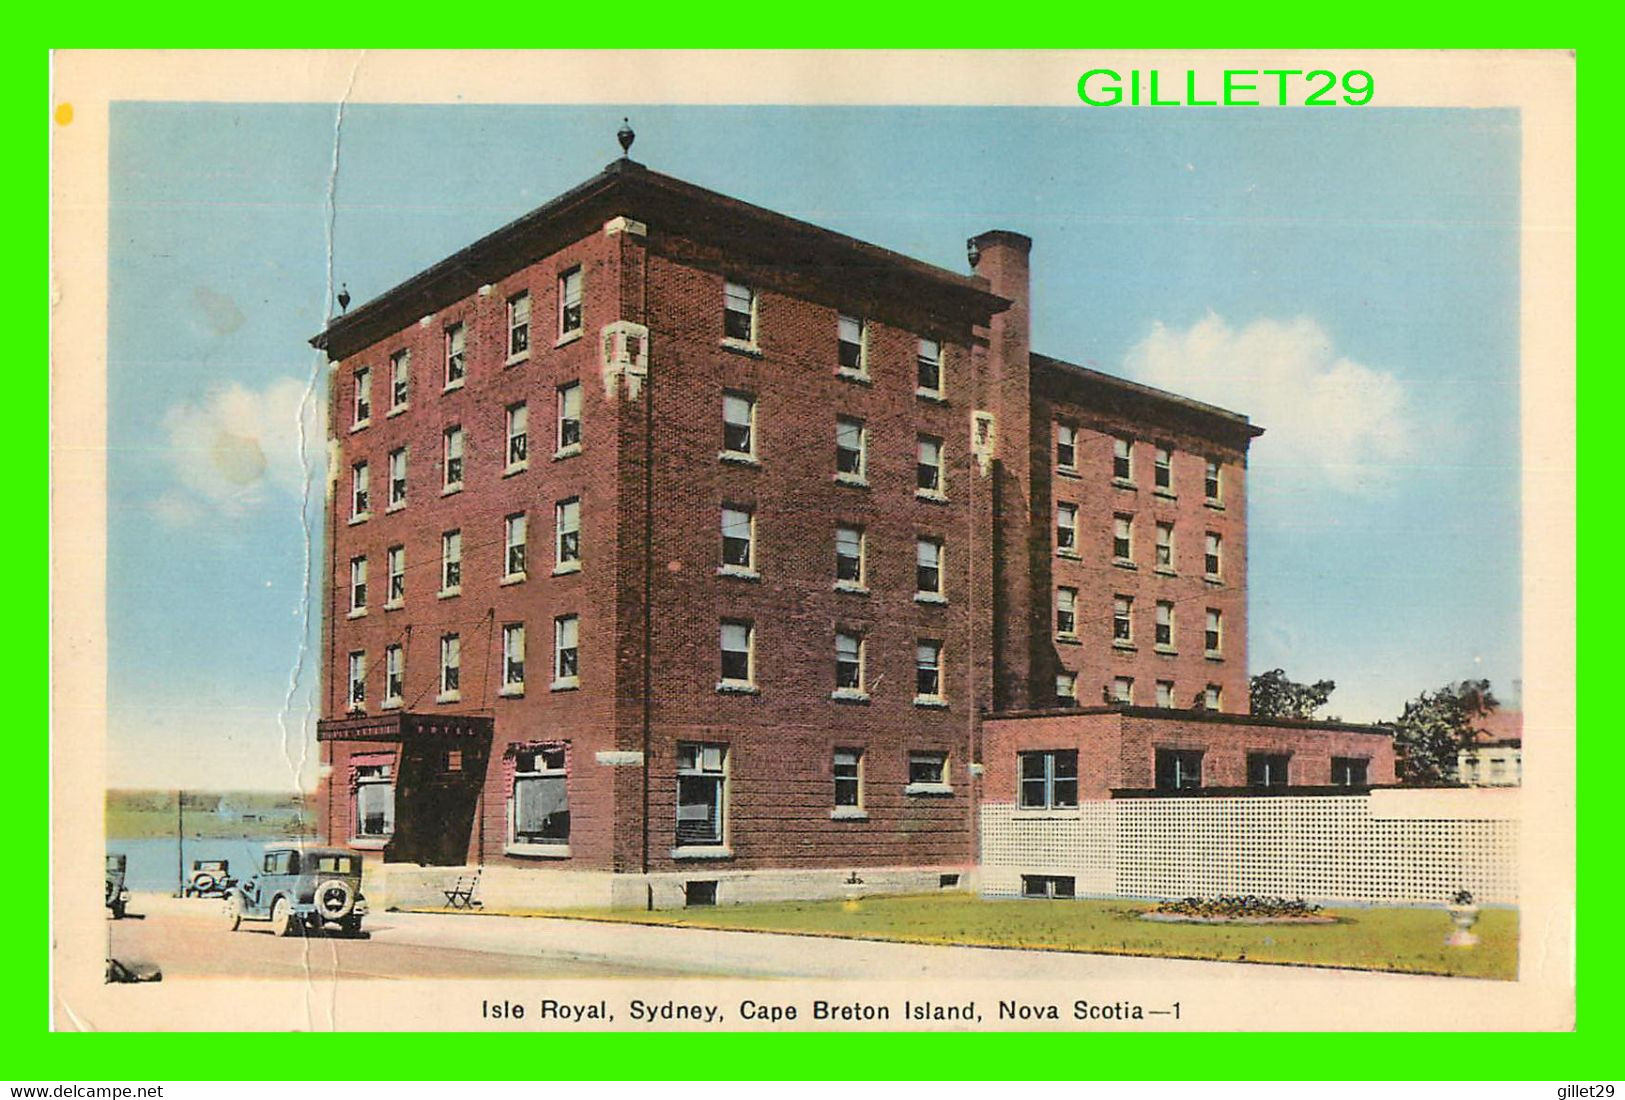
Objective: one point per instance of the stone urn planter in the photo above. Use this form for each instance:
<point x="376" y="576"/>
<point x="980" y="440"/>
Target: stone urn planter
<point x="1463" y="914"/>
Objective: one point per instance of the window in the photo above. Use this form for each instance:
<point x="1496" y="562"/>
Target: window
<point x="1213" y="639"/>
<point x="1122" y="459"/>
<point x="452" y="450"/>
<point x="518" y="439"/>
<point x="738" y="639"/>
<point x="359" y="497"/>
<point x="738" y="541"/>
<point x="358" y="585"/>
<point x="1066" y="446"/>
<point x="1163" y="470"/>
<point x="394" y="675"/>
<point x="927" y="769"/>
<point x="374" y="802"/>
<point x="1178" y="769"/>
<point x="1210" y="556"/>
<point x="699" y="893"/>
<point x="849" y="557"/>
<point x="400" y="380"/>
<point x="928" y="568"/>
<point x="451" y="666"/>
<point x="739" y="313"/>
<point x="848" y="768"/>
<point x="850" y="340"/>
<point x="1213" y="697"/>
<point x="456" y="361"/>
<point x="451" y="562"/>
<point x="850" y="444"/>
<point x="363" y="397"/>
<point x="397" y="478"/>
<point x="566" y="651"/>
<point x="1210" y="482"/>
<point x="1049" y="780"/>
<point x="567" y="535"/>
<point x="1123" y="689"/>
<point x="1066" y="687"/>
<point x="849" y="664"/>
<point x="927" y="671"/>
<point x="514" y="529"/>
<point x="1165" y="624"/>
<point x="541" y="798"/>
<point x="513" y="658"/>
<point x="570" y="302"/>
<point x="1123" y="619"/>
<point x="928" y="469"/>
<point x="358" y="681"/>
<point x="1123" y="538"/>
<point x="1049" y="886"/>
<point x="1165" y="547"/>
<point x="1066" y="527"/>
<point x="1165" y="694"/>
<point x="702" y="777"/>
<point x="738" y="425"/>
<point x="1349" y="771"/>
<point x="519" y="324"/>
<point x="928" y="368"/>
<point x="1267" y="769"/>
<point x="1066" y="612"/>
<point x="569" y="418"/>
<point x="395" y="561"/>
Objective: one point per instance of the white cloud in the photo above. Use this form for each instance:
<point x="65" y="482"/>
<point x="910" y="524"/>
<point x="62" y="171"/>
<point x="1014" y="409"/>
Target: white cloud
<point x="238" y="447"/>
<point x="1350" y="425"/>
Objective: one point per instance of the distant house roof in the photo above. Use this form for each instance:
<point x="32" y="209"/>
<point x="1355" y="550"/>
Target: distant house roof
<point x="1499" y="727"/>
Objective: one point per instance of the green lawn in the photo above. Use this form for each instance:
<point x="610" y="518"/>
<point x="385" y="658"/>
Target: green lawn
<point x="1409" y="940"/>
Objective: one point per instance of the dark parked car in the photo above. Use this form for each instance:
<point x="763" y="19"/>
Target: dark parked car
<point x="117" y="896"/>
<point x="211" y="878"/>
<point x="300" y="889"/>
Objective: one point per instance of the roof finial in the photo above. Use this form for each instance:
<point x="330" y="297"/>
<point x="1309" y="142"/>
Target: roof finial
<point x="625" y="136"/>
<point x="344" y="297"/>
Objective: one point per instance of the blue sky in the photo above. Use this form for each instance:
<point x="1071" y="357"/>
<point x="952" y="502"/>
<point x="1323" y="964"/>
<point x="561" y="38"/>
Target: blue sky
<point x="1347" y="277"/>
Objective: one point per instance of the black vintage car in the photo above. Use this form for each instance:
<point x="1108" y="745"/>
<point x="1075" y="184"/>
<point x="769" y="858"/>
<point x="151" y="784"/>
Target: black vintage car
<point x="117" y="897"/>
<point x="300" y="889"/>
<point x="211" y="878"/>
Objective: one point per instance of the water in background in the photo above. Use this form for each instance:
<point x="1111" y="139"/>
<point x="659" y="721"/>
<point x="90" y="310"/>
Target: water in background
<point x="150" y="861"/>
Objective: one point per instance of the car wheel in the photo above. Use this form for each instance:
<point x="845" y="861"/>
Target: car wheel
<point x="282" y="919"/>
<point x="234" y="913"/>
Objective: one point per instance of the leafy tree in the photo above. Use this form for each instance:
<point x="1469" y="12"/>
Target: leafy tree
<point x="1434" y="727"/>
<point x="1275" y="696"/>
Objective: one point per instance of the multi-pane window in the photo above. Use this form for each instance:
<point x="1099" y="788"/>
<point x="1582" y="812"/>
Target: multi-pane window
<point x="928" y="466"/>
<point x="396" y="562"/>
<point x="1123" y="689"/>
<point x="570" y="302"/>
<point x="739" y="312"/>
<point x="928" y="367"/>
<point x="1122" y="459"/>
<point x="1210" y="555"/>
<point x="360" y="497"/>
<point x="518" y="449"/>
<point x="363" y="396"/>
<point x="1163" y="470"/>
<point x="358" y="584"/>
<point x="1049" y="780"/>
<point x="927" y="768"/>
<point x="1165" y="623"/>
<point x="451" y="561"/>
<point x="569" y="417"/>
<point x="394" y="674"/>
<point x="1066" y="687"/>
<point x="1165" y="546"/>
<point x="1165" y="693"/>
<point x="567" y="533"/>
<point x="541" y="800"/>
<point x="1049" y="886"/>
<point x="1213" y="697"/>
<point x="928" y="567"/>
<point x="848" y="662"/>
<point x="928" y="669"/>
<point x="1066" y="527"/>
<point x="849" y="556"/>
<point x="1066" y="446"/>
<point x="1066" y="612"/>
<point x="400" y="379"/>
<point x="519" y="324"/>
<point x="513" y="657"/>
<point x="737" y="657"/>
<point x="1349" y="771"/>
<point x="738" y="539"/>
<point x="1122" y="618"/>
<point x="1210" y="481"/>
<point x="850" y="444"/>
<point x="397" y="478"/>
<point x="452" y="451"/>
<point x="1267" y="769"/>
<point x="850" y="344"/>
<point x="358" y="680"/>
<point x="451" y="665"/>
<point x="374" y="801"/>
<point x="514" y="533"/>
<point x="739" y="425"/>
<point x="566" y="649"/>
<point x="1123" y="538"/>
<point x="848" y="769"/>
<point x="456" y="355"/>
<point x="1177" y="769"/>
<point x="702" y="774"/>
<point x="1213" y="637"/>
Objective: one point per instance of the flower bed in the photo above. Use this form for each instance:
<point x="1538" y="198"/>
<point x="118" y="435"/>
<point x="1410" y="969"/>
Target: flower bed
<point x="1238" y="910"/>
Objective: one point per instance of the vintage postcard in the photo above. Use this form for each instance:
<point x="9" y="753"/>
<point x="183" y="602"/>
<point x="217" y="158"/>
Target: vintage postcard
<point x="911" y="541"/>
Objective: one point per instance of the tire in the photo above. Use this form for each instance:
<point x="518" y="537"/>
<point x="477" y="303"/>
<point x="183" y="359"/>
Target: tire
<point x="234" y="913"/>
<point x="202" y="883"/>
<point x="283" y="922"/>
<point x="334" y="899"/>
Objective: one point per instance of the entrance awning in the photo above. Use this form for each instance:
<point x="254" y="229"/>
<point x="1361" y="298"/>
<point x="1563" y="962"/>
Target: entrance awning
<point x="402" y="727"/>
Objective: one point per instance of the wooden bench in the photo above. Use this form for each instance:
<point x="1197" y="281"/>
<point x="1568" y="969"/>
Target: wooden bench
<point x="461" y="896"/>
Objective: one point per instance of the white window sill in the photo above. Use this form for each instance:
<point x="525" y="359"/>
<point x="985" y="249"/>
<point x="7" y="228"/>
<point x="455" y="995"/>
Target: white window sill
<point x="398" y="409"/>
<point x="565" y="683"/>
<point x="395" y="506"/>
<point x="934" y="598"/>
<point x="741" y="572"/>
<point x="566" y="567"/>
<point x="449" y="697"/>
<point x="1117" y="643"/>
<point x="859" y="376"/>
<point x="737" y="687"/>
<point x="1068" y="471"/>
<point x="516" y="468"/>
<point x="357" y="613"/>
<point x="357" y="710"/>
<point x="1213" y="655"/>
<point x="1125" y="483"/>
<point x="1165" y="650"/>
<point x="360" y="517"/>
<point x="368" y="843"/>
<point x="1124" y="563"/>
<point x="454" y="384"/>
<point x="449" y="593"/>
<point x="513" y="578"/>
<point x="930" y="395"/>
<point x="394" y="605"/>
<point x="703" y="851"/>
<point x="1212" y="578"/>
<point x="857" y="481"/>
<point x="934" y="496"/>
<point x="449" y="490"/>
<point x="933" y="702"/>
<point x="517" y="358"/>
<point x="1068" y="553"/>
<point x="1164" y="571"/>
<point x="1166" y="494"/>
<point x="849" y="695"/>
<point x="359" y="424"/>
<point x="738" y="458"/>
<point x="537" y="851"/>
<point x="567" y="452"/>
<point x="569" y="337"/>
<point x="928" y="788"/>
<point x="1216" y="505"/>
<point x="1068" y="639"/>
<point x="848" y="813"/>
<point x="743" y="347"/>
<point x="512" y="691"/>
<point x="856" y="588"/>
<point x="390" y="704"/>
